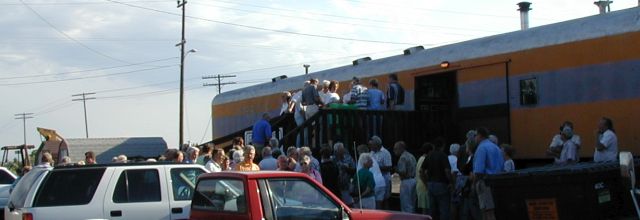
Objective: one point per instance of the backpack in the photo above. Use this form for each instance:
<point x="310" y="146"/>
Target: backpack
<point x="399" y="92"/>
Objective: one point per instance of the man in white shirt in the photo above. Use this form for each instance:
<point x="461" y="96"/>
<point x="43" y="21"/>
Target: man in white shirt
<point x="215" y="165"/>
<point x="383" y="157"/>
<point x="557" y="143"/>
<point x="607" y="146"/>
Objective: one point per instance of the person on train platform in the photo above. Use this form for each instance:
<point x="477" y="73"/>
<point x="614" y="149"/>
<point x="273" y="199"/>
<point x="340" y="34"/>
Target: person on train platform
<point x="406" y="168"/>
<point x="356" y="89"/>
<point x="395" y="93"/>
<point x="507" y="153"/>
<point x="261" y="133"/>
<point x="311" y="98"/>
<point x="376" y="96"/>
<point x="555" y="147"/>
<point x="487" y="160"/>
<point x="324" y="91"/>
<point x="569" y="153"/>
<point x="247" y="164"/>
<point x="286" y="103"/>
<point x="299" y="112"/>
<point x="607" y="145"/>
<point x="332" y="94"/>
<point x="381" y="155"/>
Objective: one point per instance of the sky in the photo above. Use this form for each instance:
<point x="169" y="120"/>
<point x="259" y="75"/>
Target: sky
<point x="124" y="51"/>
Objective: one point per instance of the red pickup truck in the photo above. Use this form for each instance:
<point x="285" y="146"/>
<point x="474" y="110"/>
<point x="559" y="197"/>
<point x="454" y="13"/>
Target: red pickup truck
<point x="274" y="195"/>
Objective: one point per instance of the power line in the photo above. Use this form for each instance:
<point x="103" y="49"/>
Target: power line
<point x="432" y="10"/>
<point x="81" y="3"/>
<point x="261" y="28"/>
<point x="338" y="16"/>
<point x="326" y="21"/>
<point x="88" y="70"/>
<point x="206" y="129"/>
<point x="87" y="77"/>
<point x="55" y="108"/>
<point x="24" y="116"/>
<point x="69" y="37"/>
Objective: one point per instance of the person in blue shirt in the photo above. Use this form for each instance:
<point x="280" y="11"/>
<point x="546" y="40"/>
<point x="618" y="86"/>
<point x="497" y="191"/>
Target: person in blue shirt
<point x="261" y="134"/>
<point x="487" y="160"/>
<point x="376" y="96"/>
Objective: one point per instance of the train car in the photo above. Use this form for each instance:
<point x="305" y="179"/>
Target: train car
<point x="522" y="85"/>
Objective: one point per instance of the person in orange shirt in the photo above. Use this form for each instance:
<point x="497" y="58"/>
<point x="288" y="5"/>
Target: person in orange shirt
<point x="247" y="164"/>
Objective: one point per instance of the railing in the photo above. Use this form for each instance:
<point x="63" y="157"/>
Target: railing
<point x="285" y="121"/>
<point x="357" y="126"/>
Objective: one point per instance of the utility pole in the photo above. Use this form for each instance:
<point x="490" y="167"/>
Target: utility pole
<point x="182" y="4"/>
<point x="84" y="103"/>
<point x="220" y="83"/>
<point x="24" y="116"/>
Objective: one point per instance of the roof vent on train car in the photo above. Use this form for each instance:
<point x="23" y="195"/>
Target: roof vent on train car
<point x="278" y="78"/>
<point x="604" y="6"/>
<point x="361" y="61"/>
<point x="524" y="8"/>
<point x="413" y="50"/>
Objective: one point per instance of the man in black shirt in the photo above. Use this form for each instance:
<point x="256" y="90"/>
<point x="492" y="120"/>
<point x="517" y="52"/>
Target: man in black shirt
<point x="437" y="174"/>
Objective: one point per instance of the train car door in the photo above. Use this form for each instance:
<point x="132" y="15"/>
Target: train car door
<point x="436" y="104"/>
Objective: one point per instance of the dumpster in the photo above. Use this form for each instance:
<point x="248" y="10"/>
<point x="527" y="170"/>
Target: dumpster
<point x="578" y="191"/>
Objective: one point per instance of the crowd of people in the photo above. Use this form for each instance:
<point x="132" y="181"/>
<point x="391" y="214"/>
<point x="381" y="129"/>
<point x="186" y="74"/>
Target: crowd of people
<point x="445" y="182"/>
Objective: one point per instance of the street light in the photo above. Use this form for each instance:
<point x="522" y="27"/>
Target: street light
<point x="183" y="55"/>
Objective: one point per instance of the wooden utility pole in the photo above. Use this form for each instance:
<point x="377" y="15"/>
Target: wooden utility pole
<point x="24" y="154"/>
<point x="220" y="83"/>
<point x="84" y="103"/>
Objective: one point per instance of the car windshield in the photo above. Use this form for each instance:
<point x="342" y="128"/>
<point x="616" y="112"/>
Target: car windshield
<point x="24" y="185"/>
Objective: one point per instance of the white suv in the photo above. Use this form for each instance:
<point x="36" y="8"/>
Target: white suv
<point x="115" y="191"/>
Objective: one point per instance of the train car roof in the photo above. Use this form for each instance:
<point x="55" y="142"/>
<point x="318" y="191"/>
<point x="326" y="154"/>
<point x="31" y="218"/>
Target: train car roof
<point x="613" y="23"/>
